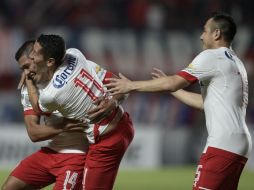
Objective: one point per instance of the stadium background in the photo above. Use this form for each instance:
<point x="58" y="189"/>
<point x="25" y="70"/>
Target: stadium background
<point x="131" y="37"/>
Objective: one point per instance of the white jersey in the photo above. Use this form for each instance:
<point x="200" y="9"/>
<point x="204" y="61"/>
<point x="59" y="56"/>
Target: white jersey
<point x="224" y="88"/>
<point x="76" y="84"/>
<point x="73" y="142"/>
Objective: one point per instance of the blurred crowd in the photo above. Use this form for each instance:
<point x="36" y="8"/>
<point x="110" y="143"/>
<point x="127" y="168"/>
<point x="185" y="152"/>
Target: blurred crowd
<point x="128" y="36"/>
<point x="32" y="15"/>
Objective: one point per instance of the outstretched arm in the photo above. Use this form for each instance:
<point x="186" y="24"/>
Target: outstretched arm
<point x="194" y="100"/>
<point x="164" y="83"/>
<point x="189" y="98"/>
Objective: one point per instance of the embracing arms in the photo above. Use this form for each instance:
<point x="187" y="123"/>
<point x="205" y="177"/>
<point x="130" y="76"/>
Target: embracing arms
<point x="160" y="82"/>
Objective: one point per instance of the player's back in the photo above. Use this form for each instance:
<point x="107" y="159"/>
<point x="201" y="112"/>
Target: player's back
<point x="227" y="90"/>
<point x="225" y="101"/>
<point x="73" y="87"/>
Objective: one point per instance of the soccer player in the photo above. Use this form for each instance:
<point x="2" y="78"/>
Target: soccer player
<point x="62" y="161"/>
<point x="224" y="89"/>
<point x="74" y="84"/>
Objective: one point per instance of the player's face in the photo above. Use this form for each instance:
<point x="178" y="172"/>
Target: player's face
<point x="38" y="58"/>
<point x="26" y="65"/>
<point x="207" y="35"/>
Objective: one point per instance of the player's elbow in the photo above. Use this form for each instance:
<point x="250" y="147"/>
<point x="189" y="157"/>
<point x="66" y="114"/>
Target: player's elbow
<point x="37" y="109"/>
<point x="34" y="138"/>
<point x="170" y="86"/>
<point x="200" y="103"/>
<point x="173" y="88"/>
<point x="176" y="82"/>
<point x="201" y="107"/>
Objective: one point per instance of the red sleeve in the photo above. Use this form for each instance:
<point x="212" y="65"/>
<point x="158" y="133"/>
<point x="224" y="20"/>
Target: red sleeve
<point x="30" y="112"/>
<point x="107" y="76"/>
<point x="41" y="112"/>
<point x="187" y="76"/>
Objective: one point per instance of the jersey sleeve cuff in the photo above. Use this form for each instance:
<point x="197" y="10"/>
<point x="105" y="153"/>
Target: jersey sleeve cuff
<point x="42" y="112"/>
<point x="107" y="76"/>
<point x="30" y="112"/>
<point x="187" y="76"/>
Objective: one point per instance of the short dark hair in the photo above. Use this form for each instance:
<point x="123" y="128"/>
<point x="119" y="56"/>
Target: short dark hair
<point x="53" y="46"/>
<point x="25" y="48"/>
<point x="226" y="24"/>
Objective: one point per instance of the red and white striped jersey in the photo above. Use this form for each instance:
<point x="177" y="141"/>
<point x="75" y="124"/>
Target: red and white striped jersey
<point x="224" y="88"/>
<point x="76" y="84"/>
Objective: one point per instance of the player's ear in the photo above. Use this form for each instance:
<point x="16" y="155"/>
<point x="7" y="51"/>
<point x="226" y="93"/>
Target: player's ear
<point x="51" y="62"/>
<point x="217" y="34"/>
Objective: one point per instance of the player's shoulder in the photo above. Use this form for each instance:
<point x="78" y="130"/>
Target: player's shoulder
<point x="208" y="55"/>
<point x="203" y="56"/>
<point x="215" y="53"/>
<point x="74" y="52"/>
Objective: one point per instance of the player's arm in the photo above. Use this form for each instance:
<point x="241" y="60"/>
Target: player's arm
<point x="165" y="83"/>
<point x="33" y="95"/>
<point x="189" y="98"/>
<point x="38" y="132"/>
<point x="105" y="104"/>
<point x="43" y="103"/>
<point x="104" y="75"/>
<point x="118" y="98"/>
<point x="194" y="100"/>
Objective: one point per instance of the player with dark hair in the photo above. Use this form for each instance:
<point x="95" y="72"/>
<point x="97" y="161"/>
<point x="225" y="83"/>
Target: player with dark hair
<point x="224" y="88"/>
<point x="62" y="160"/>
<point x="74" y="84"/>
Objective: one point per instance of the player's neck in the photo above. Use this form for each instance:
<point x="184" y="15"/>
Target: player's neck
<point x="50" y="74"/>
<point x="221" y="43"/>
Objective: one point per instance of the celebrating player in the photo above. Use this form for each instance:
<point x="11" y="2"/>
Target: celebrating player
<point x="62" y="161"/>
<point x="74" y="84"/>
<point x="224" y="88"/>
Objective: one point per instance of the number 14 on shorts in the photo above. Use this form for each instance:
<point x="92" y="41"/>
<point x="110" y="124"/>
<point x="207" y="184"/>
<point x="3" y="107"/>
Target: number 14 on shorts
<point x="70" y="179"/>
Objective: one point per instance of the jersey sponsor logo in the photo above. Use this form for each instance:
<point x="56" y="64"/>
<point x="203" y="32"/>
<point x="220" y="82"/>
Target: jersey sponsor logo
<point x="97" y="69"/>
<point x="229" y="56"/>
<point x="61" y="79"/>
<point x="190" y="66"/>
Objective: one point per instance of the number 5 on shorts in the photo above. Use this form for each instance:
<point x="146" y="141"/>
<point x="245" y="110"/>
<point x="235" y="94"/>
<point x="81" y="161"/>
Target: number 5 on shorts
<point x="197" y="176"/>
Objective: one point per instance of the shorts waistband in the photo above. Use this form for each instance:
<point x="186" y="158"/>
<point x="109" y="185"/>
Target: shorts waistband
<point x="48" y="150"/>
<point x="227" y="154"/>
<point x="114" y="126"/>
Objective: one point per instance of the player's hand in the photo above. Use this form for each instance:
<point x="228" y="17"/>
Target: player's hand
<point x="25" y="75"/>
<point x="157" y="73"/>
<point x="120" y="85"/>
<point x="22" y="80"/>
<point x="104" y="106"/>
